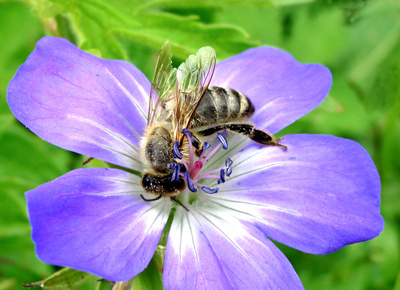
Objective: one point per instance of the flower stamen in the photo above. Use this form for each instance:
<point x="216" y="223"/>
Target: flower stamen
<point x="177" y="170"/>
<point x="212" y="152"/>
<point x="221" y="176"/>
<point x="189" y="182"/>
<point x="223" y="141"/>
<point x="193" y="168"/>
<point x="228" y="164"/>
<point x="177" y="154"/>
<point x="205" y="147"/>
<point x="210" y="190"/>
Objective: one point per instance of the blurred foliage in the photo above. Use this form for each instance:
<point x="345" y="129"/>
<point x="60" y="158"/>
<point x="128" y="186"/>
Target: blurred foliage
<point x="66" y="278"/>
<point x="358" y="40"/>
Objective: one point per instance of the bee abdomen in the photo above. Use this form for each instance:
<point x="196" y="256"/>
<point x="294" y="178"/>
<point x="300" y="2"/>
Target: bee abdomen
<point x="222" y="105"/>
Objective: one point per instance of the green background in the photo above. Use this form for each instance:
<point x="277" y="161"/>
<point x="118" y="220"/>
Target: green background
<point x="358" y="40"/>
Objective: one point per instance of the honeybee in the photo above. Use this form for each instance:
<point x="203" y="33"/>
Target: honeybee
<point x="182" y="99"/>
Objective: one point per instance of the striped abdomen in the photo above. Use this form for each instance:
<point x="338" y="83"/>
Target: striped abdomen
<point x="221" y="105"/>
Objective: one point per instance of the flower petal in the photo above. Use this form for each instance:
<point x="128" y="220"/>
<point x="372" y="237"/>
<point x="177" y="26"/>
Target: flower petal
<point x="211" y="249"/>
<point x="94" y="220"/>
<point x="82" y="103"/>
<point x="321" y="194"/>
<point x="281" y="89"/>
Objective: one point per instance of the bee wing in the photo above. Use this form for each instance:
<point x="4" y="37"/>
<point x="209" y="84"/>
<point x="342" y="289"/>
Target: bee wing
<point x="162" y="85"/>
<point x="192" y="80"/>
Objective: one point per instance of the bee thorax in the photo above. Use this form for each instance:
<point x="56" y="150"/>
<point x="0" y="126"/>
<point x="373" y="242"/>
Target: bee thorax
<point x="157" y="150"/>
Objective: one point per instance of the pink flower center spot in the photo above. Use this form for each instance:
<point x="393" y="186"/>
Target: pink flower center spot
<point x="193" y="168"/>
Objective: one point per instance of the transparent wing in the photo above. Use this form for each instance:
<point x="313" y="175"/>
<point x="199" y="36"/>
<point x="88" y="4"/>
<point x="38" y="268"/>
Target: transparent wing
<point x="192" y="80"/>
<point x="162" y="85"/>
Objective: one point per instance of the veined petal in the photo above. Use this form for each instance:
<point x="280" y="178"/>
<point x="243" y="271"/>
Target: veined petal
<point x="318" y="196"/>
<point x="94" y="220"/>
<point x="281" y="89"/>
<point x="211" y="249"/>
<point x="82" y="103"/>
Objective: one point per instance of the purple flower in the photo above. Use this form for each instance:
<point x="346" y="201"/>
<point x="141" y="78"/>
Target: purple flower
<point x="318" y="196"/>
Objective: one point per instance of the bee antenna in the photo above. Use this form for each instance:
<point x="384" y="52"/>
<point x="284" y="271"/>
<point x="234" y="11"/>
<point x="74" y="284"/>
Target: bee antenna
<point x="178" y="201"/>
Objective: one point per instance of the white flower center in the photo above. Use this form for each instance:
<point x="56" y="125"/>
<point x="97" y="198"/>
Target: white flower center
<point x="193" y="168"/>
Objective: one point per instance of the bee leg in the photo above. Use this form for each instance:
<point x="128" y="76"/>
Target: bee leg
<point x="256" y="135"/>
<point x="197" y="145"/>
<point x="264" y="138"/>
<point x="178" y="201"/>
<point x="212" y="130"/>
<point x="248" y="130"/>
<point x="150" y="199"/>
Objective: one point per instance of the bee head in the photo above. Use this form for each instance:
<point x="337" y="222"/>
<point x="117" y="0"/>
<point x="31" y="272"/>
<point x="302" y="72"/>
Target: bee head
<point x="163" y="185"/>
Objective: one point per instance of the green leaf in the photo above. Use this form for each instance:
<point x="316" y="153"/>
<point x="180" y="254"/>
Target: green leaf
<point x="373" y="39"/>
<point x="18" y="259"/>
<point x="291" y="2"/>
<point x="186" y="35"/>
<point x="96" y="24"/>
<point x="6" y="120"/>
<point x="341" y="114"/>
<point x="150" y="278"/>
<point x="331" y="104"/>
<point x="66" y="278"/>
<point x="104" y="285"/>
<point x="6" y="284"/>
<point x="314" y="37"/>
<point x="397" y="284"/>
<point x="19" y="30"/>
<point x="26" y="162"/>
<point x="25" y="156"/>
<point x="90" y="23"/>
<point x="19" y="262"/>
<point x="184" y="4"/>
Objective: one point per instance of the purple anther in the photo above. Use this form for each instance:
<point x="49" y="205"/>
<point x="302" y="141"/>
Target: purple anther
<point x="228" y="164"/>
<point x="177" y="153"/>
<point x="222" y="175"/>
<point x="206" y="146"/>
<point x="210" y="190"/>
<point x="187" y="132"/>
<point x="189" y="182"/>
<point x="177" y="170"/>
<point x="223" y="140"/>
